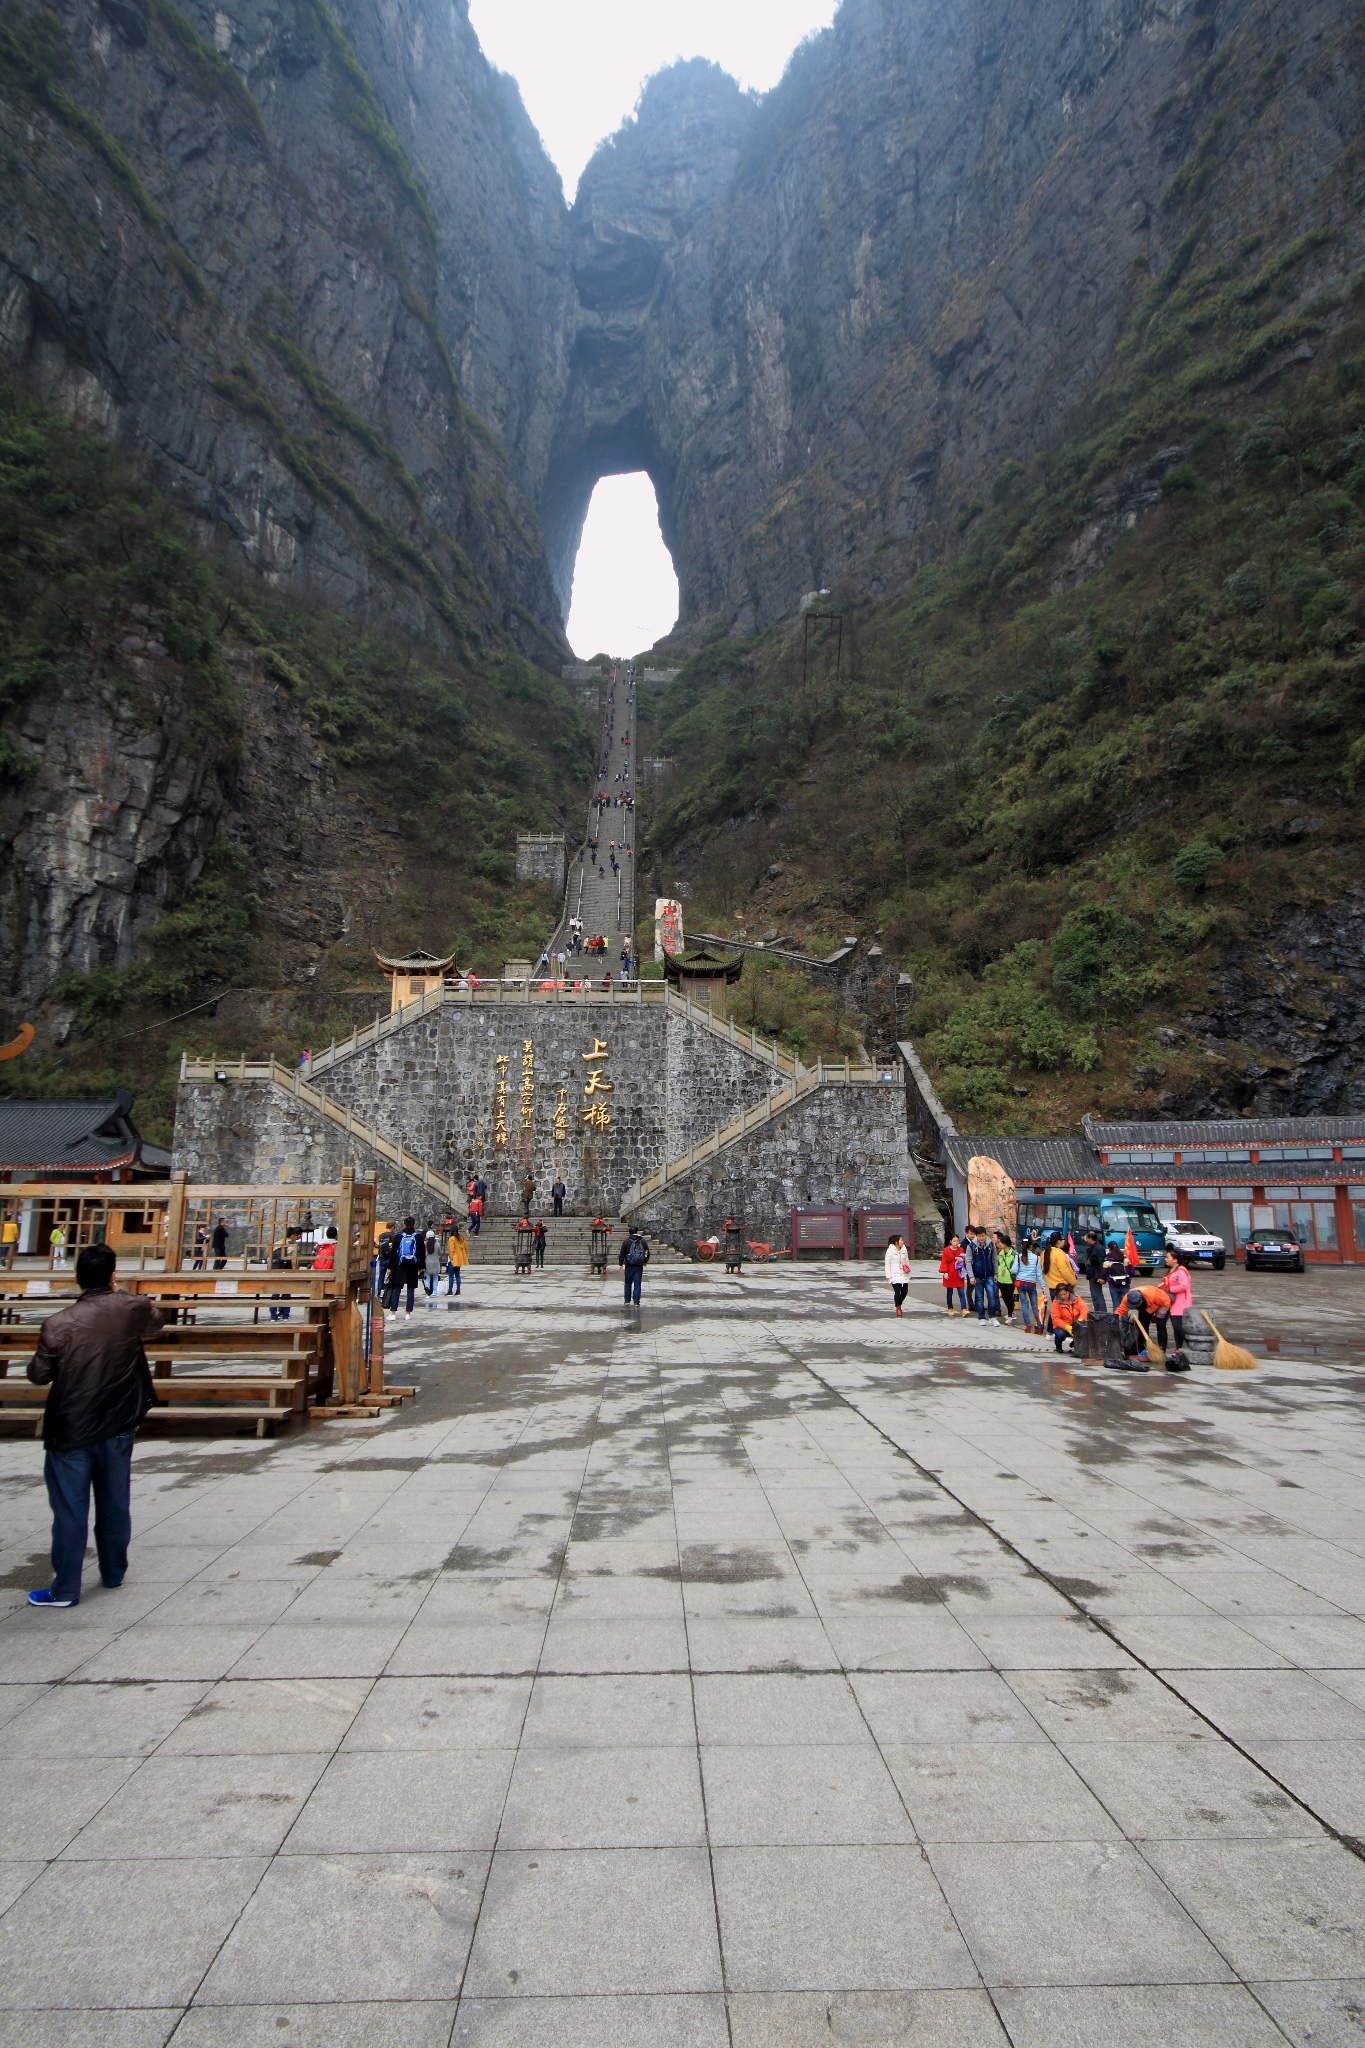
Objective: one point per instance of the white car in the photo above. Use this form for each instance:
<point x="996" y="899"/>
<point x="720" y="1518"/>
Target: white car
<point x="1193" y="1242"/>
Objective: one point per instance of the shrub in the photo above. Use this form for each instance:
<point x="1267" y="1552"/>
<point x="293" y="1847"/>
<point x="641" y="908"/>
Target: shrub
<point x="1088" y="950"/>
<point x="1182" y="481"/>
<point x="1195" y="862"/>
<point x="1084" y="1053"/>
<point x="1247" y="588"/>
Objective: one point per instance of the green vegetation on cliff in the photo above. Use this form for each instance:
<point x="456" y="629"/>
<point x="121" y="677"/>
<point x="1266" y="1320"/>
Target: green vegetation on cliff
<point x="111" y="611"/>
<point x="1072" y="771"/>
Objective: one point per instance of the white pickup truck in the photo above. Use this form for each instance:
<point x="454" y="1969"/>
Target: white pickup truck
<point x="1195" y="1243"/>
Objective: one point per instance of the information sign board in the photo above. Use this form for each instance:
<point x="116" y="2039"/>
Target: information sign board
<point x="877" y="1227"/>
<point x="824" y="1230"/>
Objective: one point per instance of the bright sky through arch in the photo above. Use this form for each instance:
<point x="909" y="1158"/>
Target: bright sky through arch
<point x="625" y="594"/>
<point x="580" y="63"/>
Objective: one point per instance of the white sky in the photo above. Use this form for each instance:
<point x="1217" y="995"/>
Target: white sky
<point x="625" y="595"/>
<point x="580" y="65"/>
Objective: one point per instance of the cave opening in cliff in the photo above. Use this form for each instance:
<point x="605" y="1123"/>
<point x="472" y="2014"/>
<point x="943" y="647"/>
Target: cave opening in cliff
<point x="625" y="588"/>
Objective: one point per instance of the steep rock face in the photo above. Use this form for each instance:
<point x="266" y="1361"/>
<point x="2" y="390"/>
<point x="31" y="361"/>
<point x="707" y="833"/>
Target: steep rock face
<point x="644" y="377"/>
<point x="130" y="793"/>
<point x="1293" y="1010"/>
<point x="830" y="330"/>
<point x="219" y="243"/>
<point x="113" y="829"/>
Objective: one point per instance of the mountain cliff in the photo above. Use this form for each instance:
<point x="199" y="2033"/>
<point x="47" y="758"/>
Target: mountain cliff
<point x="827" y="320"/>
<point x="963" y="298"/>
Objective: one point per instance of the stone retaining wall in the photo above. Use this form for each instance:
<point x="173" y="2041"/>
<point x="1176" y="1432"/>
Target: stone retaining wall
<point x="841" y="1146"/>
<point x="245" y="1131"/>
<point x="431" y="1084"/>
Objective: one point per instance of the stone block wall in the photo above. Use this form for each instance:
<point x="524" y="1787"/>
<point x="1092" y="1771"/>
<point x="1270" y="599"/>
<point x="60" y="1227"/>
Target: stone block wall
<point x="541" y="858"/>
<point x="432" y="1085"/>
<point x="841" y="1146"/>
<point x="248" y="1131"/>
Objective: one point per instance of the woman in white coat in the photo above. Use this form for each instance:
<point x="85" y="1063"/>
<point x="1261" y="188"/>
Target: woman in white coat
<point x="898" y="1271"/>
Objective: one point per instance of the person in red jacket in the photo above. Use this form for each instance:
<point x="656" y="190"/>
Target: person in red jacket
<point x="951" y="1274"/>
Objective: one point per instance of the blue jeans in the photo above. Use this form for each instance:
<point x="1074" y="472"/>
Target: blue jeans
<point x="1028" y="1304"/>
<point x="987" y="1299"/>
<point x="453" y="1278"/>
<point x="634" y="1275"/>
<point x="70" y="1475"/>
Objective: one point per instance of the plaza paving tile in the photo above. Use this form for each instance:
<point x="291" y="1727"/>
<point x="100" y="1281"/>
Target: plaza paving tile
<point x="768" y="1675"/>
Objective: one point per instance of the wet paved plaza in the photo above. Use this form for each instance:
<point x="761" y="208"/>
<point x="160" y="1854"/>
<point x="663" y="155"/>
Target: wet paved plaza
<point x="775" y="1674"/>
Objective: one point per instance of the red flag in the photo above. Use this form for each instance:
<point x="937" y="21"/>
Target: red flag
<point x="1130" y="1252"/>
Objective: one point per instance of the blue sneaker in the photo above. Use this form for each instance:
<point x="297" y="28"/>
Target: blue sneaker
<point x="44" y="1598"/>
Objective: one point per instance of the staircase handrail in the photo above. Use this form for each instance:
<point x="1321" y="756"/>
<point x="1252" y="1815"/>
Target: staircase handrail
<point x="292" y="1082"/>
<point x="496" y="994"/>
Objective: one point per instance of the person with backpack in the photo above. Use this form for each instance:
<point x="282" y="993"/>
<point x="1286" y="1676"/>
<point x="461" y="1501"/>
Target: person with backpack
<point x="897" y="1267"/>
<point x="632" y="1258"/>
<point x="1115" y="1273"/>
<point x="407" y="1264"/>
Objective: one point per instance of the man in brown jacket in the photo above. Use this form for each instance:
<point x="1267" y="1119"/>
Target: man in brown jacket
<point x="91" y="1357"/>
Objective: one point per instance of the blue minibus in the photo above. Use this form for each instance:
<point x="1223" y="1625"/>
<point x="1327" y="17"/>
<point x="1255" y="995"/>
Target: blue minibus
<point x="1112" y="1215"/>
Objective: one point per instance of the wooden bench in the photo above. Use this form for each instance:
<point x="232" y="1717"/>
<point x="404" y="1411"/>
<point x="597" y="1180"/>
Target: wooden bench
<point x="189" y="1401"/>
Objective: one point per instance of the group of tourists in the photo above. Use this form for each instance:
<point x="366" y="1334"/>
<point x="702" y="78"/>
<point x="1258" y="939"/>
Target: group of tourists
<point x="985" y="1274"/>
<point x="410" y="1258"/>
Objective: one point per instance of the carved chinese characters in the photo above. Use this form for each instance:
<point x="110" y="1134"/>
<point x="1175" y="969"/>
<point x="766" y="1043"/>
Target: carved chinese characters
<point x="597" y="1115"/>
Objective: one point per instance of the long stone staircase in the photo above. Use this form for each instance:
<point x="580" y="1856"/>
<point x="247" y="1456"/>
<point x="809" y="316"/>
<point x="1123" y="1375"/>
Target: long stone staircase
<point x="602" y="898"/>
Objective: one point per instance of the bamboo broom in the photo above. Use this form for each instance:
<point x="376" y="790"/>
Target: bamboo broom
<point x="1155" y="1354"/>
<point x="1228" y="1357"/>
